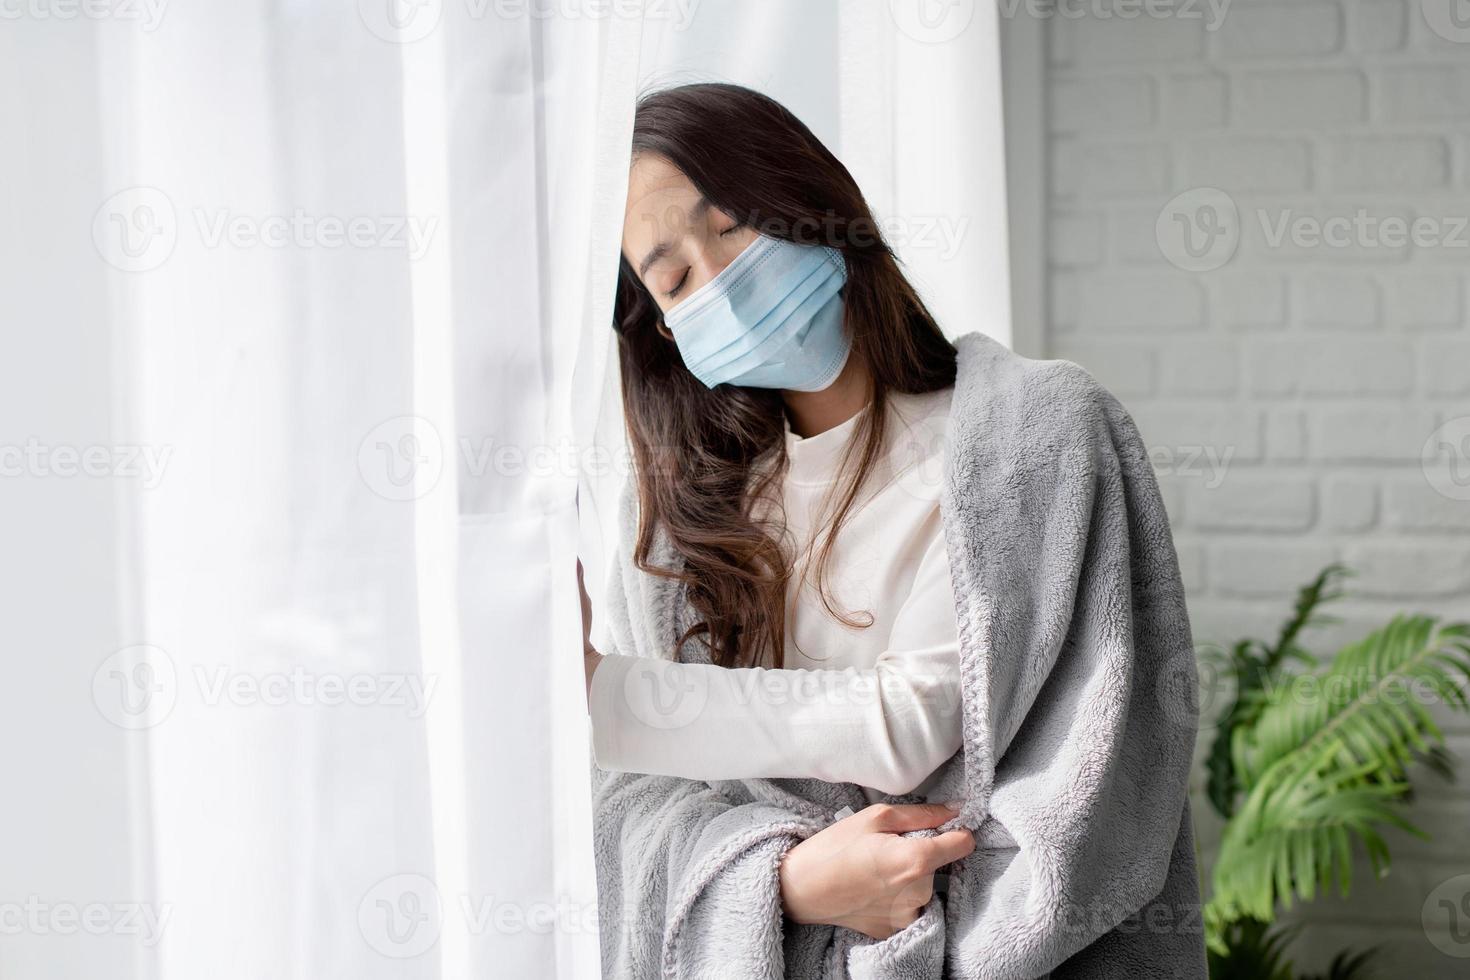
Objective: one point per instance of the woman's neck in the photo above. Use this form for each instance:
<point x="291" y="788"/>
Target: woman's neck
<point x="813" y="412"/>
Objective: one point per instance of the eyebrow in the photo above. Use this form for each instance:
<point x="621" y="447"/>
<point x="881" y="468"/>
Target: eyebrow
<point x="662" y="249"/>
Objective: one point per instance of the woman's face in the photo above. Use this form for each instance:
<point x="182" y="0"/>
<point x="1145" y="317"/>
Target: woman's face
<point x="674" y="239"/>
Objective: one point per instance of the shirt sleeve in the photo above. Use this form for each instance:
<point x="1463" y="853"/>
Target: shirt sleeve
<point x="887" y="727"/>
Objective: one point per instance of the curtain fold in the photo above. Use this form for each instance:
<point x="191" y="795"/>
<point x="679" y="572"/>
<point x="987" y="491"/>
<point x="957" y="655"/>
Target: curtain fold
<point x="922" y="131"/>
<point x="386" y="242"/>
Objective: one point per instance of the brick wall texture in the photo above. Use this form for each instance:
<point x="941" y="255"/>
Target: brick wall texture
<point x="1259" y="239"/>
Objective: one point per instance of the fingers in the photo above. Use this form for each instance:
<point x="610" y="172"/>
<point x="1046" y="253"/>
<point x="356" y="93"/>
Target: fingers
<point x="586" y="610"/>
<point x="942" y="849"/>
<point x="896" y="818"/>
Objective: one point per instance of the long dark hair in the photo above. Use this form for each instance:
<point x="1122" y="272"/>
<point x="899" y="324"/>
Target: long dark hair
<point x="700" y="455"/>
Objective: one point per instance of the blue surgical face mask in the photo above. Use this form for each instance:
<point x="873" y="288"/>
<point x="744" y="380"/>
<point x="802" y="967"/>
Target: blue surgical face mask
<point x="771" y="319"/>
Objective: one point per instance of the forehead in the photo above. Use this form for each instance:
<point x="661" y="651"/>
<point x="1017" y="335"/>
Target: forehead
<point x="660" y="197"/>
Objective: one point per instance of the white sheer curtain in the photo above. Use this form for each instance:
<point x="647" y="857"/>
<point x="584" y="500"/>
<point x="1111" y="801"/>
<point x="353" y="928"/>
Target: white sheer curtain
<point x="338" y="261"/>
<point x="323" y="290"/>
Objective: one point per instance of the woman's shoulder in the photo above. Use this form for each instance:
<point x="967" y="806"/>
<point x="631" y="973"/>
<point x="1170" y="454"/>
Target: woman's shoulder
<point x="994" y="381"/>
<point x="916" y="407"/>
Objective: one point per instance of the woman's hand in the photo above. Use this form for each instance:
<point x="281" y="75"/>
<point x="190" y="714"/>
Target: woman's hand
<point x="861" y="874"/>
<point x="590" y="657"/>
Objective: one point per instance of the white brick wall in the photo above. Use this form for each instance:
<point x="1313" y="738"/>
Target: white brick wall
<point x="1288" y="393"/>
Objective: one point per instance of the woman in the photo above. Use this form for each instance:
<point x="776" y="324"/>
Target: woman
<point x="788" y="398"/>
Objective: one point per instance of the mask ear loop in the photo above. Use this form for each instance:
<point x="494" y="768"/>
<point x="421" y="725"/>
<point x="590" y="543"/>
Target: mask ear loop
<point x="664" y="331"/>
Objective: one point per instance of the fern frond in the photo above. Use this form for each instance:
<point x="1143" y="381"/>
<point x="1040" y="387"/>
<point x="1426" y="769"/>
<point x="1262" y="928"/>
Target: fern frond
<point x="1347" y="965"/>
<point x="1439" y="761"/>
<point x="1247" y="949"/>
<point x="1326" y="761"/>
<point x="1255" y="666"/>
<point x="1372" y="702"/>
<point x="1326" y="587"/>
<point x="1299" y="839"/>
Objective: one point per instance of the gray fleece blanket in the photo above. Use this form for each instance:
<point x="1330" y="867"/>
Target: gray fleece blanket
<point x="1079" y="717"/>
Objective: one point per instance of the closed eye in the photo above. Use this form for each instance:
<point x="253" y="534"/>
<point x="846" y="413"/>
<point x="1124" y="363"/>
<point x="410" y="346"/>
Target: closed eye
<point x="678" y="286"/>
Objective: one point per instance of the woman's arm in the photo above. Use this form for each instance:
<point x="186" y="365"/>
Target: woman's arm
<point x="674" y="856"/>
<point x="887" y="727"/>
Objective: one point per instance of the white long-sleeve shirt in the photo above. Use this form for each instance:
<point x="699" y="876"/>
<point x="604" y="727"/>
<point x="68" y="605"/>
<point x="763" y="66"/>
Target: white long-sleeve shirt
<point x="875" y="706"/>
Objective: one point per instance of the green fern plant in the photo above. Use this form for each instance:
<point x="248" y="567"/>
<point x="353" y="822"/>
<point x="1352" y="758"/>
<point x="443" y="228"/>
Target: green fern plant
<point x="1257" y="951"/>
<point x="1251" y="952"/>
<point x="1306" y="764"/>
<point x="1254" y="665"/>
